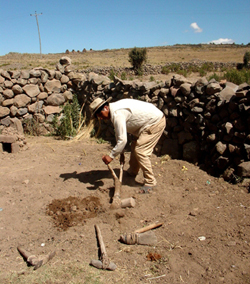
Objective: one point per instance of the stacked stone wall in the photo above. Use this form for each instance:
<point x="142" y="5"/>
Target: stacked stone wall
<point x="208" y="123"/>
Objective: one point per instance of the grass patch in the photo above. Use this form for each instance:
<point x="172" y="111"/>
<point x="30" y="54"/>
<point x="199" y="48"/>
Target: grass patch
<point x="4" y="64"/>
<point x="238" y="76"/>
<point x="214" y="76"/>
<point x="72" y="273"/>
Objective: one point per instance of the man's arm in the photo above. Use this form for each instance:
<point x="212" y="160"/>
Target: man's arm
<point x="121" y="134"/>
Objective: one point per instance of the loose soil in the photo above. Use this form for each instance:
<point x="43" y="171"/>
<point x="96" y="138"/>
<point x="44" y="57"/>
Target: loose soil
<point x="54" y="192"/>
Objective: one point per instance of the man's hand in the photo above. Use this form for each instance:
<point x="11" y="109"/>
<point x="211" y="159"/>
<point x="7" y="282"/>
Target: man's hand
<point x="107" y="159"/>
<point x="122" y="159"/>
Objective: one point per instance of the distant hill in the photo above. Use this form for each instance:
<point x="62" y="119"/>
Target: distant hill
<point x="119" y="57"/>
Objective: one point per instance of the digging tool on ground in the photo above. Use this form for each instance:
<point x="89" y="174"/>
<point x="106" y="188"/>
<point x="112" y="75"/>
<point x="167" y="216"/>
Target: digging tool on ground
<point x="141" y="236"/>
<point x="104" y="262"/>
<point x="34" y="260"/>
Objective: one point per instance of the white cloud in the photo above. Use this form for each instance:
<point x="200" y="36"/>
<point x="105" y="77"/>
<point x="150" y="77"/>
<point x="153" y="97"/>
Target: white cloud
<point x="196" y="28"/>
<point x="222" y="41"/>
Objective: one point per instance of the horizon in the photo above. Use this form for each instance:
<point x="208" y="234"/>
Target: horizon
<point x="53" y="26"/>
<point x="147" y="47"/>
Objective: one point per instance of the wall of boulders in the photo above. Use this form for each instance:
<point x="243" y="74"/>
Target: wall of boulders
<point x="157" y="69"/>
<point x="208" y="123"/>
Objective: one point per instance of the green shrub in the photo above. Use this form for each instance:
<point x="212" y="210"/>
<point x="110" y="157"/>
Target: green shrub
<point x="174" y="67"/>
<point x="238" y="76"/>
<point x="183" y="72"/>
<point x="165" y="70"/>
<point x="31" y="127"/>
<point x="206" y="67"/>
<point x="214" y="76"/>
<point x="137" y="56"/>
<point x="112" y="74"/>
<point x="123" y="76"/>
<point x="69" y="123"/>
<point x="246" y="58"/>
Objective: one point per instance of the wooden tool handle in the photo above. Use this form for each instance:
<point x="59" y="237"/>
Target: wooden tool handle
<point x="121" y="173"/>
<point x="104" y="256"/>
<point x="112" y="172"/>
<point x="149" y="227"/>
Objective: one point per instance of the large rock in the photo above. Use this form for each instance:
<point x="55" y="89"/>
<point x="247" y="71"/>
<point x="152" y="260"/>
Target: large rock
<point x="185" y="89"/>
<point x="76" y="77"/>
<point x="35" y="107"/>
<point x="17" y="124"/>
<point x="55" y="99"/>
<point x="220" y="147"/>
<point x="21" y="100"/>
<point x="8" y="94"/>
<point x="31" y="90"/>
<point x="5" y="74"/>
<point x="51" y="109"/>
<point x="17" y="89"/>
<point x="4" y="111"/>
<point x="8" y="84"/>
<point x="8" y="102"/>
<point x="65" y="60"/>
<point x="226" y="94"/>
<point x="213" y="88"/>
<point x="35" y="73"/>
<point x="178" y="80"/>
<point x="243" y="169"/>
<point x="98" y="79"/>
<point x="53" y="86"/>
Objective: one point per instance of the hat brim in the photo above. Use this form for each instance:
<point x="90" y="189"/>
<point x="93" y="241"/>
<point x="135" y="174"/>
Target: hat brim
<point x="99" y="106"/>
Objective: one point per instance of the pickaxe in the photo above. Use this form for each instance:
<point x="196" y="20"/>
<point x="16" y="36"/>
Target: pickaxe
<point x="34" y="260"/>
<point x="117" y="202"/>
<point x="104" y="262"/>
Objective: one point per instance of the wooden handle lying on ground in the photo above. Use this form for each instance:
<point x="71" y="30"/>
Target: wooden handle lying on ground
<point x="104" y="256"/>
<point x="149" y="227"/>
<point x="104" y="262"/>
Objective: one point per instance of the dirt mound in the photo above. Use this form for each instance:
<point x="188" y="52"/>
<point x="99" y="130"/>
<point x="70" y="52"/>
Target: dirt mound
<point x="72" y="211"/>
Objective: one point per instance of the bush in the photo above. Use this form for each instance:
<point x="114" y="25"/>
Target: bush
<point x="206" y="67"/>
<point x="246" y="58"/>
<point x="238" y="76"/>
<point x="31" y="127"/>
<point x="137" y="56"/>
<point x="123" y="76"/>
<point x="69" y="123"/>
<point x="214" y="76"/>
<point x="112" y="74"/>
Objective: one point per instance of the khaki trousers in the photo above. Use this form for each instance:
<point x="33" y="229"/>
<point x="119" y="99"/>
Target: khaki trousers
<point x="141" y="150"/>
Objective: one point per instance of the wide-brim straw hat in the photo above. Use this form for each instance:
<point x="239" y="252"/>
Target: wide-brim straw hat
<point x="96" y="104"/>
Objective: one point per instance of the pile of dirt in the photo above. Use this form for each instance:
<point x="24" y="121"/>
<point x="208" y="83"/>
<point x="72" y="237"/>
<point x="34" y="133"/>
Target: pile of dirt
<point x="72" y="211"/>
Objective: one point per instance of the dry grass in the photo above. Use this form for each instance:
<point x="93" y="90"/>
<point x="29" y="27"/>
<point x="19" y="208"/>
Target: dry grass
<point x="119" y="57"/>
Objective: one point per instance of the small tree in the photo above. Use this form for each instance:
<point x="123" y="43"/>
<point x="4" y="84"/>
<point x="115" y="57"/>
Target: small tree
<point x="137" y="56"/>
<point x="246" y="58"/>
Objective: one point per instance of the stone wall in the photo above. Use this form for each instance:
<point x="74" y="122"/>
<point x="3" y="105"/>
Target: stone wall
<point x="157" y="69"/>
<point x="208" y="123"/>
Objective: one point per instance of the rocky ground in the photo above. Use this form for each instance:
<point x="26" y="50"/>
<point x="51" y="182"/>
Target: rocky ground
<point x="54" y="192"/>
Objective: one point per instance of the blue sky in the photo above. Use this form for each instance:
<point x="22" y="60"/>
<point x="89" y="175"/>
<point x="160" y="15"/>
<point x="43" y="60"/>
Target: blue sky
<point x="110" y="24"/>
